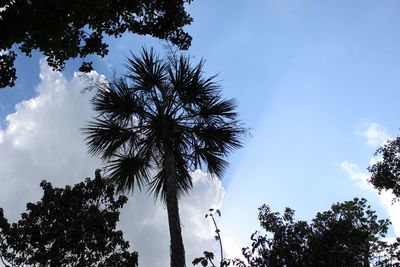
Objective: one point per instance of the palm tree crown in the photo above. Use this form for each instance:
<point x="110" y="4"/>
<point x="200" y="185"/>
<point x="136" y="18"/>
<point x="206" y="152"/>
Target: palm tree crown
<point x="160" y="122"/>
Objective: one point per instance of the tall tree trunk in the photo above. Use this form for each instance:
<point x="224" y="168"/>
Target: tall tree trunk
<point x="366" y="256"/>
<point x="176" y="245"/>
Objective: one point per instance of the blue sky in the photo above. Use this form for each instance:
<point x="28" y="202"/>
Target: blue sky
<point x="316" y="81"/>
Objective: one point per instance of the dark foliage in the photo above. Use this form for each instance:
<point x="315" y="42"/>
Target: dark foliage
<point x="347" y="235"/>
<point x="161" y="121"/>
<point x="71" y="226"/>
<point x="385" y="174"/>
<point x="7" y="71"/>
<point x="64" y="30"/>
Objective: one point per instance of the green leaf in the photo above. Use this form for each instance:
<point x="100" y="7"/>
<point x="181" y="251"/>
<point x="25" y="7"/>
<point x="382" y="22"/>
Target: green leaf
<point x="197" y="260"/>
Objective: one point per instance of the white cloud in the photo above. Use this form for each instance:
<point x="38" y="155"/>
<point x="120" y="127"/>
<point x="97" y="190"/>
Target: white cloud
<point x="375" y="134"/>
<point x="355" y="174"/>
<point x="385" y="197"/>
<point x="42" y="140"/>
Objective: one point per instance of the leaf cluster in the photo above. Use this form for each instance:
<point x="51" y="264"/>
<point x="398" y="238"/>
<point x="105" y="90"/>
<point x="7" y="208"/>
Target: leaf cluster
<point x="349" y="234"/>
<point x="385" y="174"/>
<point x="71" y="226"/>
<point x="62" y="30"/>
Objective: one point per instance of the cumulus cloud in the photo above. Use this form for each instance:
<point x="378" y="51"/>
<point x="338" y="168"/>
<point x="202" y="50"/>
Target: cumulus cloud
<point x="376" y="136"/>
<point x="42" y="140"/>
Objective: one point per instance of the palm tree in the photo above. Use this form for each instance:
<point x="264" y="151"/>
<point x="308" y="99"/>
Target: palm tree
<point x="157" y="124"/>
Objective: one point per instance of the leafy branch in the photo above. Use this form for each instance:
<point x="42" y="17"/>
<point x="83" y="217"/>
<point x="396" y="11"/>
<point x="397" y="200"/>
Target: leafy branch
<point x="209" y="256"/>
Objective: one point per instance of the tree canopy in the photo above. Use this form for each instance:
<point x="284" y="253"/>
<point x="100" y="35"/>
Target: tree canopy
<point x="385" y="174"/>
<point x="63" y="30"/>
<point x="71" y="226"/>
<point x="349" y="234"/>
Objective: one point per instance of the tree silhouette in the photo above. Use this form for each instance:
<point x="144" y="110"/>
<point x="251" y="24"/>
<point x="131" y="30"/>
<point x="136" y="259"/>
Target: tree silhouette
<point x="70" y="29"/>
<point x="385" y="174"/>
<point x="161" y="121"/>
<point x="71" y="226"/>
<point x="349" y="234"/>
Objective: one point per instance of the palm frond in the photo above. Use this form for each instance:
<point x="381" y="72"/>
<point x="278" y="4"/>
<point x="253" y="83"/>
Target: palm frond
<point x="216" y="165"/>
<point x="128" y="171"/>
<point x="107" y="137"/>
<point x="159" y="184"/>
<point x="146" y="71"/>
<point x="182" y="78"/>
<point x="217" y="110"/>
<point x="208" y="87"/>
<point x="222" y="138"/>
<point x="118" y="102"/>
<point x="183" y="178"/>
